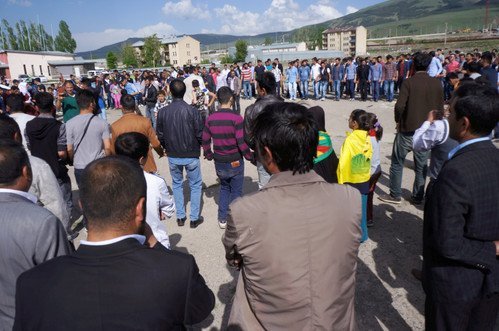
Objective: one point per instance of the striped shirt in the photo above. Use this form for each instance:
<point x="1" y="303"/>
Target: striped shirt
<point x="246" y="74"/>
<point x="225" y="129"/>
<point x="390" y="71"/>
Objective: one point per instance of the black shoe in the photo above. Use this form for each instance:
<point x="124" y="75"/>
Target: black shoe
<point x="390" y="199"/>
<point x="416" y="201"/>
<point x="181" y="221"/>
<point x="418" y="274"/>
<point x="196" y="223"/>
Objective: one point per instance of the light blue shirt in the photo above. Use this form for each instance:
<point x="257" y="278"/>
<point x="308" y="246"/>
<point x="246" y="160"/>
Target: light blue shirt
<point x="304" y="73"/>
<point x="466" y="143"/>
<point x="130" y="88"/>
<point x="435" y="67"/>
<point x="350" y="71"/>
<point x="375" y="72"/>
<point x="292" y="74"/>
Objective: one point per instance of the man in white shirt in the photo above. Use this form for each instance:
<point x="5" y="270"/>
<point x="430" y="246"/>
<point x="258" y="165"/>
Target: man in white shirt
<point x="193" y="75"/>
<point x="314" y="76"/>
<point x="15" y="104"/>
<point x="160" y="203"/>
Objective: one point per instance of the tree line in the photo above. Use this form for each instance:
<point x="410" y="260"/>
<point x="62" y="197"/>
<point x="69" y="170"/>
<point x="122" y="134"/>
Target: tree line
<point x="24" y="36"/>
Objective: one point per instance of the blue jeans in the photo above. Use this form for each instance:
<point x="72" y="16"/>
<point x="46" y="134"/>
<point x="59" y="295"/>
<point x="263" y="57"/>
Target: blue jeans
<point x="193" y="170"/>
<point x="336" y="89"/>
<point x="401" y="146"/>
<point x="304" y="88"/>
<point x="389" y="86"/>
<point x="292" y="90"/>
<point x="247" y="89"/>
<point x="231" y="185"/>
<point x="323" y="88"/>
<point x="375" y="90"/>
<point x="102" y="107"/>
<point x="351" y="88"/>
<point x="316" y="89"/>
<point x="150" y="115"/>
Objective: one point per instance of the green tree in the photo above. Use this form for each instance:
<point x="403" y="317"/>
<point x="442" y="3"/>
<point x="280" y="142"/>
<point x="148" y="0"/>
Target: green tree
<point x="227" y="59"/>
<point x="11" y="35"/>
<point x="128" y="56"/>
<point x="64" y="41"/>
<point x="241" y="50"/>
<point x="34" y="37"/>
<point x="151" y="52"/>
<point x="268" y="41"/>
<point x="112" y="60"/>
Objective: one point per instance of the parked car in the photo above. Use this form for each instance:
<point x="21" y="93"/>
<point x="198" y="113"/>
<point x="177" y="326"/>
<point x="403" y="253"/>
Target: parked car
<point x="24" y="78"/>
<point x="43" y="79"/>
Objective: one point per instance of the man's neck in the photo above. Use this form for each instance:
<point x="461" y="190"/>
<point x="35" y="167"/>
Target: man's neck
<point x="103" y="235"/>
<point x="127" y="111"/>
<point x="86" y="111"/>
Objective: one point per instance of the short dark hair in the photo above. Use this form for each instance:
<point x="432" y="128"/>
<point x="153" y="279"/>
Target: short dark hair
<point x="474" y="67"/>
<point x="421" y="61"/>
<point x="15" y="103"/>
<point x="8" y="127"/>
<point x="134" y="145"/>
<point x="289" y="131"/>
<point x="224" y="94"/>
<point x="267" y="82"/>
<point x="13" y="158"/>
<point x="480" y="104"/>
<point x="127" y="102"/>
<point x="195" y="83"/>
<point x="360" y="116"/>
<point x="177" y="88"/>
<point x="45" y="102"/>
<point x="109" y="191"/>
<point x="84" y="99"/>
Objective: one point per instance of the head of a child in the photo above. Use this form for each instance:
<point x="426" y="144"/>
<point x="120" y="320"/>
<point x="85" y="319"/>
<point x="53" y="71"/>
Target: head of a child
<point x="359" y="120"/>
<point x="375" y="125"/>
<point x="195" y="84"/>
<point x="133" y="145"/>
<point x="161" y="96"/>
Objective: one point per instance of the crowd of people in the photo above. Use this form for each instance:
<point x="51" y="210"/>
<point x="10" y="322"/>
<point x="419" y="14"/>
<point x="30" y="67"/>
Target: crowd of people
<point x="295" y="240"/>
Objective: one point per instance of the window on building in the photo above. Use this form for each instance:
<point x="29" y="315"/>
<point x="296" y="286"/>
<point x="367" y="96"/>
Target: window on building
<point x="41" y="70"/>
<point x="48" y="70"/>
<point x="174" y="61"/>
<point x="32" y="70"/>
<point x="187" y="45"/>
<point x="188" y="53"/>
<point x="189" y="61"/>
<point x="24" y="67"/>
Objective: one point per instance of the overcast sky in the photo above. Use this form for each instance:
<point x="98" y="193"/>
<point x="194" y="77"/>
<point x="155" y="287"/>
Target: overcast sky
<point x="96" y="23"/>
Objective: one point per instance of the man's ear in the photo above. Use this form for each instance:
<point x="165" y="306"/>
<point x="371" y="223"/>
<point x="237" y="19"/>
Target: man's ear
<point x="464" y="126"/>
<point x="140" y="212"/>
<point x="27" y="174"/>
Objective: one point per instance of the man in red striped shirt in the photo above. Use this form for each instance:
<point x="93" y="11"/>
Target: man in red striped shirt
<point x="246" y="81"/>
<point x="225" y="129"/>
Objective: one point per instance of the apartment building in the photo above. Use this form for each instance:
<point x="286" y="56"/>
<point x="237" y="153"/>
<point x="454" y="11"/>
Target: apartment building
<point x="351" y="41"/>
<point x="176" y="51"/>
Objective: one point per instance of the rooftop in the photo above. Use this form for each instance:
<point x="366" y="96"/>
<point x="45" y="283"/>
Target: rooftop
<point x="164" y="41"/>
<point x="337" y="30"/>
<point x="40" y="52"/>
<point x="70" y="62"/>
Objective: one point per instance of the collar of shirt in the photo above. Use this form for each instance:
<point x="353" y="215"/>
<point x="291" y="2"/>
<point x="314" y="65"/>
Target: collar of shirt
<point x="140" y="239"/>
<point x="466" y="143"/>
<point x="26" y="195"/>
<point x="45" y="115"/>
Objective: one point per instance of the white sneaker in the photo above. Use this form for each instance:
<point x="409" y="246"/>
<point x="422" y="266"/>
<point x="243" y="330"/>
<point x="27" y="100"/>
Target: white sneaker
<point x="222" y="224"/>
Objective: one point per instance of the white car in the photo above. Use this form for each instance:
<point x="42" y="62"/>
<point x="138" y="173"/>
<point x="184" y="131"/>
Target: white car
<point x="24" y="78"/>
<point x="43" y="79"/>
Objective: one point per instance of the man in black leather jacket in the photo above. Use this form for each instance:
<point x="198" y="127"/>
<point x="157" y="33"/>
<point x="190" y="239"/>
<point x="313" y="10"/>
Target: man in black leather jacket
<point x="266" y="96"/>
<point x="180" y="130"/>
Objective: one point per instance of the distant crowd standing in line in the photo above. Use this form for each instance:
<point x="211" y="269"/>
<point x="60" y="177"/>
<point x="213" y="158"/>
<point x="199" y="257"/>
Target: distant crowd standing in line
<point x="295" y="240"/>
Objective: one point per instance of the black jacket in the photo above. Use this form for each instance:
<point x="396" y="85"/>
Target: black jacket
<point x="461" y="221"/>
<point x="180" y="129"/>
<point x="42" y="134"/>
<point x="122" y="286"/>
<point x="152" y="95"/>
<point x="252" y="112"/>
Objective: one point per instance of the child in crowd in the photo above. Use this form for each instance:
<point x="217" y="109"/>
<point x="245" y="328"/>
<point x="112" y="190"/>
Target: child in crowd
<point x="354" y="167"/>
<point x="116" y="94"/>
<point x="201" y="99"/>
<point x="375" y="134"/>
<point x="162" y="102"/>
<point x="433" y="135"/>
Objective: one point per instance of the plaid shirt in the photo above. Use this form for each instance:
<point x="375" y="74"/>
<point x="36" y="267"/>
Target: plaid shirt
<point x="390" y="71"/>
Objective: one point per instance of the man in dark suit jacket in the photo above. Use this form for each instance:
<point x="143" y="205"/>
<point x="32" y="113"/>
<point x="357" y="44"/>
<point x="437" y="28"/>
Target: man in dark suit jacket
<point x="418" y="95"/>
<point x="461" y="221"/>
<point x="113" y="282"/>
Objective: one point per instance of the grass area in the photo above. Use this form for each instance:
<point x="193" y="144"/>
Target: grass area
<point x="456" y="20"/>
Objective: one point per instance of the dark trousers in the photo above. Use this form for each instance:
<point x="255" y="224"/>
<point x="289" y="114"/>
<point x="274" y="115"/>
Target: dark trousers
<point x="402" y="145"/>
<point x="65" y="186"/>
<point x="372" y="185"/>
<point x="363" y="89"/>
<point x="236" y="106"/>
<point x="479" y="315"/>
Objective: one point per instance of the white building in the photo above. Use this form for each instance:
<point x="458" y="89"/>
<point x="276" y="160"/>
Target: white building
<point x="176" y="51"/>
<point x="49" y="64"/>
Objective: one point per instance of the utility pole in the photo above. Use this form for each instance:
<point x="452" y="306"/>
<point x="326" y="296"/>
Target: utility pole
<point x="445" y="37"/>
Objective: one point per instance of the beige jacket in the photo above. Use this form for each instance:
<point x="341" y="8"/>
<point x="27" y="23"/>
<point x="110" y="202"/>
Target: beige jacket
<point x="298" y="238"/>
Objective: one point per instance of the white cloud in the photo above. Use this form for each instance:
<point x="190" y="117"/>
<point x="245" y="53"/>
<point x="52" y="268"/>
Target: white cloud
<point x="351" y="10"/>
<point x="22" y="3"/>
<point x="281" y="15"/>
<point x="185" y="9"/>
<point x="94" y="40"/>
